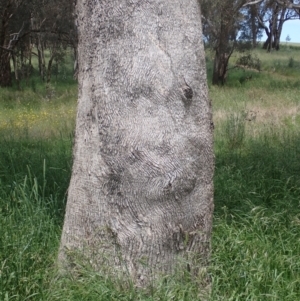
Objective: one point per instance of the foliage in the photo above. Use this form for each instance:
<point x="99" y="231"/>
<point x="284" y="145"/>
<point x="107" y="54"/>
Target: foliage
<point x="249" y="61"/>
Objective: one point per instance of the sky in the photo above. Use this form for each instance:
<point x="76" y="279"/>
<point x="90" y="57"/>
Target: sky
<point x="291" y="28"/>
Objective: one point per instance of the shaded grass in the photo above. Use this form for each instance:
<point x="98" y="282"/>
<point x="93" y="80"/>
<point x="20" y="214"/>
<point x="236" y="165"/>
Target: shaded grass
<point x="34" y="176"/>
<point x="37" y="136"/>
<point x="28" y="241"/>
<point x="46" y="161"/>
<point x="256" y="238"/>
<point x="255" y="255"/>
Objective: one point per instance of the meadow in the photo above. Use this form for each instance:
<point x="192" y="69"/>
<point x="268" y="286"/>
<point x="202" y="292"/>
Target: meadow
<point x="256" y="232"/>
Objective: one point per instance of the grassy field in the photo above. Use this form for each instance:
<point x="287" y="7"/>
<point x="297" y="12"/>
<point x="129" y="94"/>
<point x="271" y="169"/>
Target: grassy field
<point x="256" y="234"/>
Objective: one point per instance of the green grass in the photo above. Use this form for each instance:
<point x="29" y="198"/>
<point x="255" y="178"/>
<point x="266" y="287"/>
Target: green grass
<point x="256" y="233"/>
<point x="256" y="239"/>
<point x="256" y="229"/>
<point x="29" y="239"/>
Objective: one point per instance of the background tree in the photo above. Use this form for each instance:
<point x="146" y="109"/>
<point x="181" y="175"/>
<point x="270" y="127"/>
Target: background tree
<point x="251" y="29"/>
<point x="53" y="28"/>
<point x="10" y="31"/>
<point x="43" y="24"/>
<point x="271" y="15"/>
<point x="141" y="192"/>
<point x="222" y="23"/>
<point x="275" y="15"/>
<point x="225" y="23"/>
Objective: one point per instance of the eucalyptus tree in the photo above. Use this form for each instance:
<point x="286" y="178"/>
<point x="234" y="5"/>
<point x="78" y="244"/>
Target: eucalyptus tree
<point x="225" y="20"/>
<point x="45" y="24"/>
<point x="10" y="31"/>
<point x="251" y="29"/>
<point x="141" y="191"/>
<point x="52" y="28"/>
<point x="271" y="15"/>
<point x="222" y="24"/>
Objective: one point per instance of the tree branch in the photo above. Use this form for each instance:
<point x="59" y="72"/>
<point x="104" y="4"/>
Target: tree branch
<point x="283" y="3"/>
<point x="9" y="50"/>
<point x="288" y="4"/>
<point x="253" y="2"/>
<point x="212" y="27"/>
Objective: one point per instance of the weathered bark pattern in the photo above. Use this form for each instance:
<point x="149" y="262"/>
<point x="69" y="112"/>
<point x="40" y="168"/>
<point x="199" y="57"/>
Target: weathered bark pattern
<point x="141" y="190"/>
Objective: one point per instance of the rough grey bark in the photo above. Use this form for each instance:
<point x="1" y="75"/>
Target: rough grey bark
<point x="141" y="192"/>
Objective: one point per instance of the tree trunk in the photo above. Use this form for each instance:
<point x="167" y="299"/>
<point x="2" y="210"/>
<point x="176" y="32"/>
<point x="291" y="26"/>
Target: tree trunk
<point x="16" y="70"/>
<point x="280" y="23"/>
<point x="49" y="69"/>
<point x="75" y="55"/>
<point x="223" y="50"/>
<point x="41" y="57"/>
<point x="254" y="31"/>
<point x="220" y="68"/>
<point x="5" y="69"/>
<point x="141" y="192"/>
<point x="275" y="26"/>
<point x="266" y="44"/>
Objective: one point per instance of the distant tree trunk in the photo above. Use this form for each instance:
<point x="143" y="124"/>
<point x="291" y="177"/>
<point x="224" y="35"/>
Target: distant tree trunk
<point x="278" y="31"/>
<point x="49" y="69"/>
<point x="41" y="58"/>
<point x="220" y="67"/>
<point x="27" y="62"/>
<point x="141" y="192"/>
<point x="254" y="31"/>
<point x="75" y="66"/>
<point x="16" y="70"/>
<point x="223" y="52"/>
<point x="5" y="69"/>
<point x="275" y="28"/>
<point x="267" y="42"/>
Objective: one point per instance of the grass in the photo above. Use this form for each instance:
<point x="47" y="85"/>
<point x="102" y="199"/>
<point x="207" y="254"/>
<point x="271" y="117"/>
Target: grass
<point x="29" y="238"/>
<point x="256" y="233"/>
<point x="256" y="228"/>
<point x="35" y="162"/>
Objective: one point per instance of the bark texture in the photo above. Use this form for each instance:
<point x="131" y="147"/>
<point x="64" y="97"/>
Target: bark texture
<point x="141" y="192"/>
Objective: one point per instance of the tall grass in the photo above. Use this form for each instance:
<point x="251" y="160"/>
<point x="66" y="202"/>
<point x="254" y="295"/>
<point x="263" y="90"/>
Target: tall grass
<point x="256" y="238"/>
<point x="34" y="176"/>
<point x="256" y="233"/>
<point x="29" y="238"/>
<point x="35" y="162"/>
